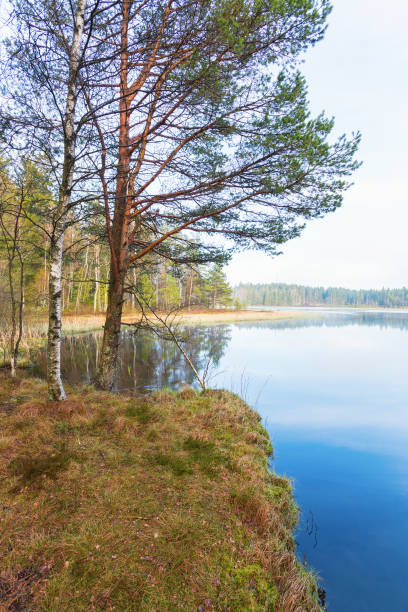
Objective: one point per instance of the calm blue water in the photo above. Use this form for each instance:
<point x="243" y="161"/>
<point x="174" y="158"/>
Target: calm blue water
<point x="332" y="389"/>
<point x="334" y="396"/>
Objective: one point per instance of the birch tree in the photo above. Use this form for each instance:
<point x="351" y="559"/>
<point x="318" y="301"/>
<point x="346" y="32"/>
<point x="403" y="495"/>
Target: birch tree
<point x="55" y="387"/>
<point x="45" y="56"/>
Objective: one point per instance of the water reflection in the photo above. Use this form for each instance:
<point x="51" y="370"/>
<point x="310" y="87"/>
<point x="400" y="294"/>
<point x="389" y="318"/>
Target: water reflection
<point x="332" y="389"/>
<point x="337" y="318"/>
<point x="146" y="361"/>
<point x="335" y="402"/>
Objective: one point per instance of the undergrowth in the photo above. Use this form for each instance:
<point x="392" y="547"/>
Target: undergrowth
<point x="111" y="502"/>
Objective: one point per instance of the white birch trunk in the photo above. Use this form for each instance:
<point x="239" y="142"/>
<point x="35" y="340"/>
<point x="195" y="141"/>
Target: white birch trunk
<point x="55" y="387"/>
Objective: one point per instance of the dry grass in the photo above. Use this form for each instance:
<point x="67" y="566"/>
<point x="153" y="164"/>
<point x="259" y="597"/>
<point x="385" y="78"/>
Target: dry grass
<point x="76" y="323"/>
<point x="142" y="504"/>
<point x="234" y="316"/>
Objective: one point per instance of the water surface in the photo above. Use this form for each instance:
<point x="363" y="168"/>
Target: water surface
<point x="332" y="390"/>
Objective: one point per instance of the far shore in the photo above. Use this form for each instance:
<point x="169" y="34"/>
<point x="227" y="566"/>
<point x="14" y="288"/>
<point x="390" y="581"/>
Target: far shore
<point x="232" y="316"/>
<point x="76" y="323"/>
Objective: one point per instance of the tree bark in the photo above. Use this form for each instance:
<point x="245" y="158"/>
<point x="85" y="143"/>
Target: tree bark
<point x="55" y="387"/>
<point x="107" y="369"/>
<point x="14" y="355"/>
<point x="109" y="356"/>
<point x="13" y="319"/>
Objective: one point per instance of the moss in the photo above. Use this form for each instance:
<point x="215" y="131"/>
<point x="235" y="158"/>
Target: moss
<point x="253" y="580"/>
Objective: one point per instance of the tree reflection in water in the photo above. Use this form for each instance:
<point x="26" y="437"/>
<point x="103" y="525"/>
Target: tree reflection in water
<point x="337" y="318"/>
<point x="146" y="362"/>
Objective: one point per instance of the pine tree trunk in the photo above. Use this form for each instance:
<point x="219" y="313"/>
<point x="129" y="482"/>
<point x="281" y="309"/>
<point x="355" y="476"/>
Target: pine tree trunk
<point x="55" y="388"/>
<point x="109" y="357"/>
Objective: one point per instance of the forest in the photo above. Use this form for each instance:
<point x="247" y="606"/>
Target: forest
<point x="281" y="294"/>
<point x="24" y="260"/>
<point x="142" y="144"/>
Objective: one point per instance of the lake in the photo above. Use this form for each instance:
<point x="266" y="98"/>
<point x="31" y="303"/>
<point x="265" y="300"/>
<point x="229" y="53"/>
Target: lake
<point x="332" y="390"/>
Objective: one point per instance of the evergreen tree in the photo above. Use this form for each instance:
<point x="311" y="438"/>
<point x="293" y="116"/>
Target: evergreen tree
<point x="280" y="294"/>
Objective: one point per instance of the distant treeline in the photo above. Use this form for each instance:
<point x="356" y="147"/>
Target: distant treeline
<point x="280" y="294"/>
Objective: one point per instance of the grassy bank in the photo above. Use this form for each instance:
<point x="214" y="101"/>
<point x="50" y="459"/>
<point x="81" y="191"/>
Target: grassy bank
<point x="154" y="503"/>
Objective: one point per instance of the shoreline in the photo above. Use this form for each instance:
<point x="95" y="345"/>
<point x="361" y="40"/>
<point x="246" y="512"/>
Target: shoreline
<point x="124" y="485"/>
<point x="236" y="316"/>
<point x="79" y="323"/>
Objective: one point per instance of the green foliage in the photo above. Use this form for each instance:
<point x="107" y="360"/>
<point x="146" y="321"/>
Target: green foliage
<point x="280" y="294"/>
<point x="25" y="194"/>
<point x="220" y="293"/>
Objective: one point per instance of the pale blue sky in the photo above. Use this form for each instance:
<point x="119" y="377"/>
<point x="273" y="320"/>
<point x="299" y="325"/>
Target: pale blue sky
<point x="359" y="74"/>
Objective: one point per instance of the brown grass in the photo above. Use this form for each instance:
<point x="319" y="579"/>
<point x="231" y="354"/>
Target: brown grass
<point x="141" y="504"/>
<point x="234" y="316"/>
<point x="84" y="322"/>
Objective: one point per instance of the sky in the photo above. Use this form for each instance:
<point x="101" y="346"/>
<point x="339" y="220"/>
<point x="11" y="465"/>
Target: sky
<point x="358" y="74"/>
